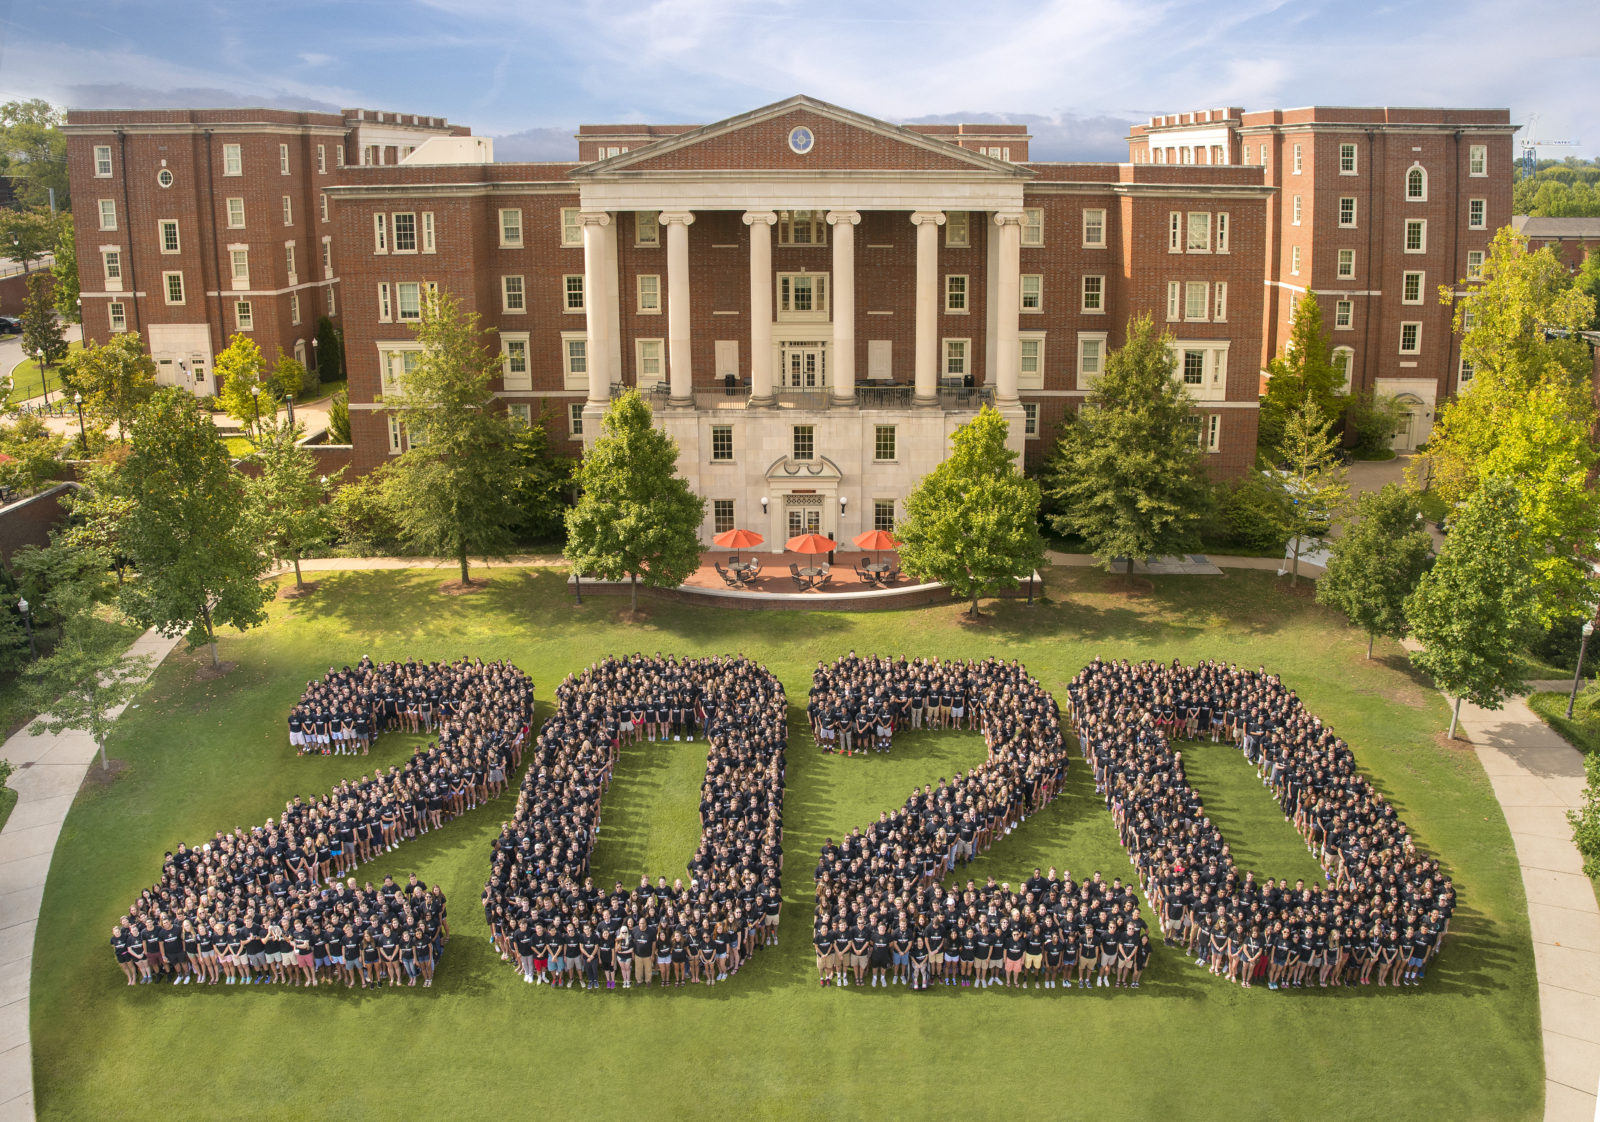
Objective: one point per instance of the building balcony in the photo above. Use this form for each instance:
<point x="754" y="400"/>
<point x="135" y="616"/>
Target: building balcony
<point x="952" y="398"/>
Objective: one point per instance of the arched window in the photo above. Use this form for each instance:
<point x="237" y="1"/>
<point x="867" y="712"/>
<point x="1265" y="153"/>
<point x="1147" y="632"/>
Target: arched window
<point x="1416" y="184"/>
<point x="1344" y="361"/>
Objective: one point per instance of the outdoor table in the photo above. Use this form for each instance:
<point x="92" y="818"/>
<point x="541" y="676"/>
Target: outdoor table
<point x="876" y="566"/>
<point x="814" y="571"/>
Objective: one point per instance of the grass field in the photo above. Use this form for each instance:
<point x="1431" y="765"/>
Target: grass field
<point x="27" y="380"/>
<point x="204" y="755"/>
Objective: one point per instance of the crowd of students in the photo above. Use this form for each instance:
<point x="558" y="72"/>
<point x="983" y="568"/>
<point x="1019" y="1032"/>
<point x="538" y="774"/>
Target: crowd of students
<point x="883" y="917"/>
<point x="1386" y="908"/>
<point x="275" y="903"/>
<point x="546" y="915"/>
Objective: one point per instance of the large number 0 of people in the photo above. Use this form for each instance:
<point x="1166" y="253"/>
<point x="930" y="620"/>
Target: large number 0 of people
<point x="883" y="916"/>
<point x="547" y="916"/>
<point x="276" y="903"/>
<point x="1386" y="908"/>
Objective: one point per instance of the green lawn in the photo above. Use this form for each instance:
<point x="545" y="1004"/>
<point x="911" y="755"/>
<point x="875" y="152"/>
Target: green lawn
<point x="28" y="381"/>
<point x="1579" y="731"/>
<point x="8" y="800"/>
<point x="206" y="755"/>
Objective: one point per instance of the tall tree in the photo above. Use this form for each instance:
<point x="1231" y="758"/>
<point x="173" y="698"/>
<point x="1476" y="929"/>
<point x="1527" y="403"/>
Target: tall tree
<point x="97" y="512"/>
<point x="198" y="564"/>
<point x="288" y="500"/>
<point x="61" y="578"/>
<point x="1312" y="477"/>
<point x="450" y="486"/>
<point x="1472" y="612"/>
<point x="1127" y="475"/>
<point x="972" y="523"/>
<point x="64" y="269"/>
<point x="87" y="676"/>
<point x="635" y="517"/>
<point x="43" y="335"/>
<point x="115" y="378"/>
<point x="1305" y="371"/>
<point x="538" y="485"/>
<point x="26" y="236"/>
<point x="1587" y="282"/>
<point x="242" y="391"/>
<point x="33" y="153"/>
<point x="329" y="352"/>
<point x="1375" y="563"/>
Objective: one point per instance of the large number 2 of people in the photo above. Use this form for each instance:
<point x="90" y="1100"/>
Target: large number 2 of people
<point x="276" y="904"/>
<point x="545" y="913"/>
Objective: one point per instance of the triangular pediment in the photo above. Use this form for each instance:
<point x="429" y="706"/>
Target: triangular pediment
<point x="840" y="141"/>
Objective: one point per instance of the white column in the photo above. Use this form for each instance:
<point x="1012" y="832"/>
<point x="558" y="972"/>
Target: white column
<point x="927" y="223"/>
<point x="843" y="365"/>
<point x="1007" y="296"/>
<point x="597" y="323"/>
<point x="679" y="369"/>
<point x="761" y="223"/>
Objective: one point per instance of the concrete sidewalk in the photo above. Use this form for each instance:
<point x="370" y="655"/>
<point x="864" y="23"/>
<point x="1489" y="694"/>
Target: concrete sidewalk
<point x="50" y="769"/>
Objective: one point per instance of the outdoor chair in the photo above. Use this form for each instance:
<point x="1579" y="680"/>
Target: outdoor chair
<point x="800" y="582"/>
<point x="728" y="578"/>
<point x="753" y="569"/>
<point x="863" y="575"/>
<point x="822" y="581"/>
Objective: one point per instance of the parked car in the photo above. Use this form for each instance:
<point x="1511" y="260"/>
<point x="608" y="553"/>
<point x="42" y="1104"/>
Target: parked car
<point x="10" y="325"/>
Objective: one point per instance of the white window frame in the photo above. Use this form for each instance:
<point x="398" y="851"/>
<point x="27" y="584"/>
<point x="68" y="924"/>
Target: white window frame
<point x="289" y="263"/>
<point x="955" y="294"/>
<point x="244" y="317"/>
<point x="322" y="206"/>
<point x="380" y="233"/>
<point x="1296" y="208"/>
<point x="1294" y="260"/>
<point x="521" y="414"/>
<point x="322" y="159"/>
<point x="1030" y="420"/>
<point x="288" y="210"/>
<point x="803" y="227"/>
<point x="957" y="229"/>
<point x="400" y="292"/>
<point x="1474" y="264"/>
<point x="102" y="161"/>
<point x="163" y="227"/>
<point x="1421" y="226"/>
<point x="294" y="308"/>
<point x="1344" y="358"/>
<point x="877" y="442"/>
<point x="1098" y="291"/>
<point x="1354" y="204"/>
<point x="575" y="419"/>
<point x="513" y="344"/>
<point x="1219" y="302"/>
<point x="1031" y="286"/>
<point x="649" y="353"/>
<point x="1477" y="160"/>
<point x="338" y="155"/>
<point x="647" y="228"/>
<point x="955" y="358"/>
<point x="718" y="454"/>
<point x="232" y="159"/>
<point x="1091" y="359"/>
<point x="513" y="294"/>
<point x="575" y="360"/>
<point x="1345" y="264"/>
<point x="1175" y="231"/>
<point x="1344" y="315"/>
<point x="167" y="280"/>
<point x="396" y="239"/>
<point x="1405" y="284"/>
<point x="647" y="289"/>
<point x="239" y="266"/>
<point x="1196" y="311"/>
<point x="283" y="159"/>
<point x="385" y="307"/>
<point x="117" y="315"/>
<point x="571" y="227"/>
<point x="108" y="214"/>
<point x="810" y="432"/>
<point x="1174" y="301"/>
<point x="396" y="436"/>
<point x="327" y="258"/>
<point x="1222" y="231"/>
<point x="1033" y="227"/>
<point x="1477" y="214"/>
<point x="511" y="227"/>
<point x="1299" y="159"/>
<point x="1415" y="331"/>
<point x="1191" y="243"/>
<point x="1094" y="228"/>
<point x="1349" y="163"/>
<point x="787" y="288"/>
<point x="111" y="266"/>
<point x="1030" y="341"/>
<point x="1415" y="170"/>
<point x="574" y="296"/>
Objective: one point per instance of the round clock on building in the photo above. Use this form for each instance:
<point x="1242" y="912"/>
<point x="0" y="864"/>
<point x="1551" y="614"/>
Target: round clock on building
<point x="801" y="140"/>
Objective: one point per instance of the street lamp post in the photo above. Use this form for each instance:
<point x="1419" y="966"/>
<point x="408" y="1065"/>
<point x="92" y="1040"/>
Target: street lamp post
<point x="255" y="396"/>
<point x="77" y="399"/>
<point x="1577" y="675"/>
<point x="27" y="620"/>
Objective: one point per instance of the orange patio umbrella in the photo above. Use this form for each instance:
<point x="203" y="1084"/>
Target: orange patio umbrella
<point x="877" y="541"/>
<point x="737" y="540"/>
<point x="811" y="543"/>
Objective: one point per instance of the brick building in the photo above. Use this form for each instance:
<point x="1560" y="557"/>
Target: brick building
<point x="197" y="224"/>
<point x="1373" y="209"/>
<point x="813" y="299"/>
<point x="1573" y="239"/>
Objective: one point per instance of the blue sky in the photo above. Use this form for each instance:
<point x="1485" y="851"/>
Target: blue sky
<point x="1076" y="71"/>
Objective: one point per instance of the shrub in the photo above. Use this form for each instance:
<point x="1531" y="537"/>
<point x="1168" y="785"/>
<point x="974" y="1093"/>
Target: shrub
<point x="330" y="354"/>
<point x="1586" y="819"/>
<point x="1558" y="644"/>
<point x="1372" y="422"/>
<point x="339" y="419"/>
<point x="363" y="519"/>
<point x="1250" y="514"/>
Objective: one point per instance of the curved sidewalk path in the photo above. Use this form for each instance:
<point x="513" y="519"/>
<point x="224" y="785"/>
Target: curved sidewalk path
<point x="1536" y="775"/>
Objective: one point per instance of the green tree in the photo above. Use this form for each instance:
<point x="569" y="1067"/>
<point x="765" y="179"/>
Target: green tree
<point x="364" y="521"/>
<point x="1587" y="282"/>
<point x="26" y="236"/>
<point x="1372" y="421"/>
<point x="288" y="377"/>
<point x="450" y="488"/>
<point x="243" y="393"/>
<point x="1312" y="478"/>
<point x="61" y="578"/>
<point x="198" y="564"/>
<point x="1375" y="564"/>
<point x="539" y="482"/>
<point x="339" y="419"/>
<point x="84" y="679"/>
<point x="43" y="335"/>
<point x="288" y="500"/>
<point x="35" y="453"/>
<point x="1305" y="371"/>
<point x="329" y="352"/>
<point x="115" y="379"/>
<point x="64" y="269"/>
<point x="33" y="153"/>
<point x="1126" y="476"/>
<point x="97" y="512"/>
<point x="972" y="523"/>
<point x="1472" y="612"/>
<point x="635" y="516"/>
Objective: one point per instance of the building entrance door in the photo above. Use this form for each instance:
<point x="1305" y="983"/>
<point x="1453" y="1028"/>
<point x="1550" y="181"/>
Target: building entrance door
<point x="804" y="366"/>
<point x="804" y="520"/>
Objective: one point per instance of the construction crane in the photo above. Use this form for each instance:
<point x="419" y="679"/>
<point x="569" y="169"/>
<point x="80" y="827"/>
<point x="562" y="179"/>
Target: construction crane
<point x="1530" y="148"/>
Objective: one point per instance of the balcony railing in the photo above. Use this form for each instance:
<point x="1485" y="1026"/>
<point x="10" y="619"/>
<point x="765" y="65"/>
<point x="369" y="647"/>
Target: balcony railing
<point x="954" y="399"/>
